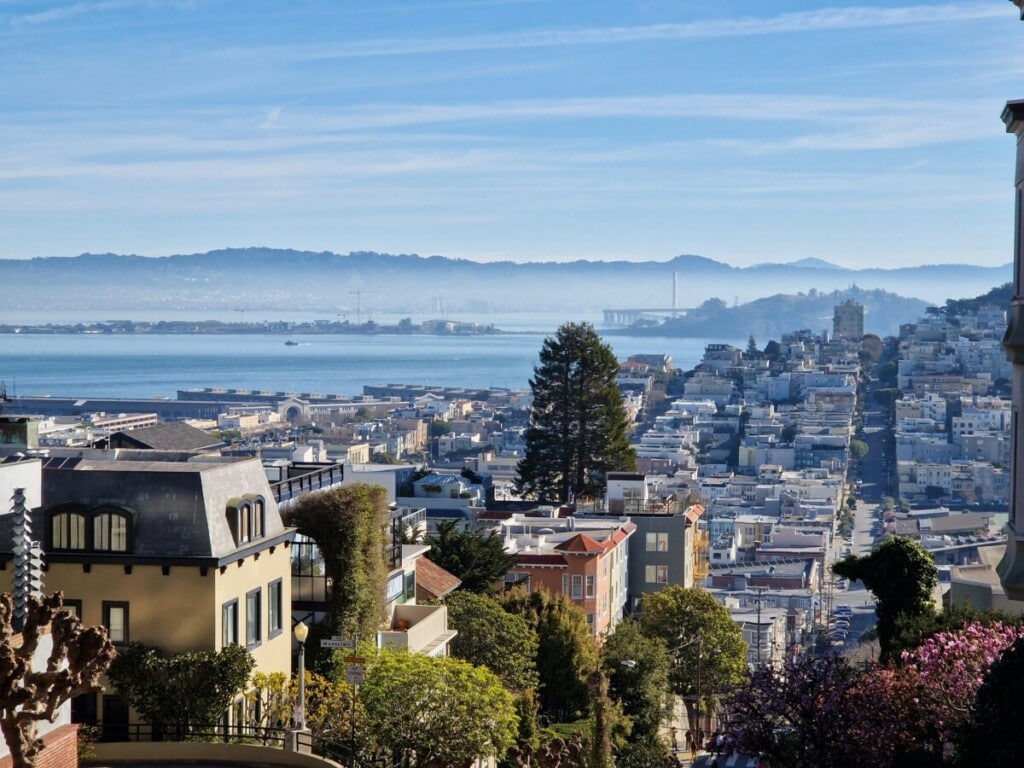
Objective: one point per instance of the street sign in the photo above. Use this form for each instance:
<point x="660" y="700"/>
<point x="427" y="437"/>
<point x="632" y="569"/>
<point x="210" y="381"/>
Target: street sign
<point x="355" y="660"/>
<point x="354" y="674"/>
<point x="338" y="642"/>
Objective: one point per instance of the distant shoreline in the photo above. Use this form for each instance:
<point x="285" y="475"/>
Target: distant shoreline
<point x="281" y="328"/>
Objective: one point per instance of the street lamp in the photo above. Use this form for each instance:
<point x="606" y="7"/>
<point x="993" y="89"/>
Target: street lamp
<point x="301" y="633"/>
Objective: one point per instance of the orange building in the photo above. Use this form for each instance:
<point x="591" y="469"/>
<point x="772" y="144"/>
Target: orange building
<point x="585" y="560"/>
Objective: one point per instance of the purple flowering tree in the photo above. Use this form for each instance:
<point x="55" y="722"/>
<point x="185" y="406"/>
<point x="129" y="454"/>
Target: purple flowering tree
<point x="822" y="713"/>
<point x="950" y="668"/>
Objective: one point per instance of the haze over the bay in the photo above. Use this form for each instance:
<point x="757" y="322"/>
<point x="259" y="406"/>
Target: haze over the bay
<point x="863" y="133"/>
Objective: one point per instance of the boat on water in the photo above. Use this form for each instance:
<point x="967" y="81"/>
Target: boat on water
<point x="291" y="343"/>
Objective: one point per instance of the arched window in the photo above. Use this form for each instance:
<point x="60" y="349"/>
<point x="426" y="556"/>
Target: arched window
<point x="68" y="529"/>
<point x="244" y="522"/>
<point x="257" y="518"/>
<point x="247" y="518"/>
<point x="111" y="530"/>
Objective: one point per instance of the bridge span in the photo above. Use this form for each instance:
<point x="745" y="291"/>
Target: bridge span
<point x="623" y="318"/>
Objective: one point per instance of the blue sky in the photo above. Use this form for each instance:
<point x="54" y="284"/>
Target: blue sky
<point x="525" y="130"/>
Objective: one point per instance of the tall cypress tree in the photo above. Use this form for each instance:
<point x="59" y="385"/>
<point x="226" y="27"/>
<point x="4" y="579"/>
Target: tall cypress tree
<point x="578" y="428"/>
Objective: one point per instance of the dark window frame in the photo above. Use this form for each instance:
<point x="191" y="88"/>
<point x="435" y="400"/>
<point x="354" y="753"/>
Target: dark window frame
<point x="63" y="515"/>
<point x="225" y="641"/>
<point x="123" y="604"/>
<point x="254" y="618"/>
<point x="275" y="601"/>
<point x="107" y="515"/>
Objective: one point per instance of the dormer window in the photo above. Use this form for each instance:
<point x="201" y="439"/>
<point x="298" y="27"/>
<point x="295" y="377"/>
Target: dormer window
<point x="68" y="529"/>
<point x="74" y="528"/>
<point x="247" y="518"/>
<point x="110" y="530"/>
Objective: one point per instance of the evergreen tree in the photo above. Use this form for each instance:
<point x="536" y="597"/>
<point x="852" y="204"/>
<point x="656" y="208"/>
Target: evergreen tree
<point x="478" y="559"/>
<point x="566" y="652"/>
<point x="637" y="666"/>
<point x="578" y="430"/>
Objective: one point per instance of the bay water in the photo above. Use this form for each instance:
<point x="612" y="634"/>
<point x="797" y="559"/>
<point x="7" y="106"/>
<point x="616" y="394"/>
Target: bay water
<point x="144" y="365"/>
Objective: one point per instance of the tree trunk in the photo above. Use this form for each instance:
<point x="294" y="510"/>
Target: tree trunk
<point x="21" y="740"/>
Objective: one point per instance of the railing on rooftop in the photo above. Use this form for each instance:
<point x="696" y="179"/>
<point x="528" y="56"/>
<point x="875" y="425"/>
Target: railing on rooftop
<point x="286" y="491"/>
<point x="626" y="507"/>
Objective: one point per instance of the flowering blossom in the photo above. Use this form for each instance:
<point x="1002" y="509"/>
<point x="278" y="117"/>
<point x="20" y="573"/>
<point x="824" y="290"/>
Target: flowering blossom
<point x="951" y="666"/>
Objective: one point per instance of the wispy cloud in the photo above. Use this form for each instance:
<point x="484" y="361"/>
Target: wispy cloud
<point x="800" y="124"/>
<point x="819" y="20"/>
<point x="59" y="13"/>
<point x="64" y="12"/>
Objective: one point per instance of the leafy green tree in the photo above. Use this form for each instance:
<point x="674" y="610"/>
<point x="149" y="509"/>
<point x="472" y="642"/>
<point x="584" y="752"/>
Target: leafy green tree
<point x="329" y="707"/>
<point x="438" y="427"/>
<point x="604" y="715"/>
<point x="272" y="696"/>
<point x="887" y="396"/>
<point x="871" y="348"/>
<point x="439" y="712"/>
<point x="858" y="449"/>
<point x="901" y="574"/>
<point x="489" y="636"/>
<point x="637" y="667"/>
<point x="348" y="525"/>
<point x="578" y="428"/>
<point x="566" y="652"/>
<point x="706" y="646"/>
<point x="185" y="693"/>
<point x="888" y="373"/>
<point x="645" y="754"/>
<point x="480" y="560"/>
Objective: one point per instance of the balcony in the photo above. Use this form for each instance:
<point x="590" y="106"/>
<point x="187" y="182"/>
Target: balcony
<point x="418" y="629"/>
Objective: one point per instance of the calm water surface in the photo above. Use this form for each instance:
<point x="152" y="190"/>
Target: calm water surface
<point x="157" y="366"/>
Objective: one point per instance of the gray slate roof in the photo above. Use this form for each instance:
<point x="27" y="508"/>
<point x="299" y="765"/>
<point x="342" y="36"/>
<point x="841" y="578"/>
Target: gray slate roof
<point x="179" y="507"/>
<point x="167" y="436"/>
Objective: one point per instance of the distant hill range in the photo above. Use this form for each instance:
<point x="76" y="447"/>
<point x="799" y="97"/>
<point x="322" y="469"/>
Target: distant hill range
<point x="268" y="278"/>
<point x="773" y="316"/>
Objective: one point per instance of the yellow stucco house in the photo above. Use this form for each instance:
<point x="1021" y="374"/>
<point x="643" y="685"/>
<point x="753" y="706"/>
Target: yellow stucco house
<point x="173" y="550"/>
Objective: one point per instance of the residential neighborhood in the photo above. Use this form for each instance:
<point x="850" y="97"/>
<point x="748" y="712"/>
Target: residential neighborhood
<point x="755" y="472"/>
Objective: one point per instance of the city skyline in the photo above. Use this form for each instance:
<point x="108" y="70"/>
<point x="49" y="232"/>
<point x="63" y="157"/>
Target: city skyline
<point x="863" y="134"/>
